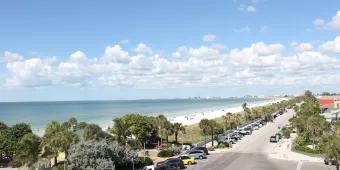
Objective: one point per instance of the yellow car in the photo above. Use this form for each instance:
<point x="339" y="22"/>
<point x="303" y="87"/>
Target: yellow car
<point x="187" y="160"/>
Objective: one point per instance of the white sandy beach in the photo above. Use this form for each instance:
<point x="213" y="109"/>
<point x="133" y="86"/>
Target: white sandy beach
<point x="194" y="118"/>
<point x="188" y="119"/>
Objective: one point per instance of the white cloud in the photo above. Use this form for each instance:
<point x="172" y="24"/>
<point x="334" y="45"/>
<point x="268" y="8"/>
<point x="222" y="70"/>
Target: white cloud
<point x="115" y="54"/>
<point x="319" y="22"/>
<point x="242" y="29"/>
<point x="143" y="48"/>
<point x="264" y="28"/>
<point x="30" y="72"/>
<point x="123" y="42"/>
<point x="209" y="37"/>
<point x="9" y="57"/>
<point x="251" y="8"/>
<point x="302" y="46"/>
<point x="204" y="53"/>
<point x="203" y="66"/>
<point x="219" y="46"/>
<point x="333" y="24"/>
<point x="331" y="46"/>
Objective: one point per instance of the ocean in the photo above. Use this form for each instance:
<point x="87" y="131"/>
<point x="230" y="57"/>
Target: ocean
<point x="38" y="114"/>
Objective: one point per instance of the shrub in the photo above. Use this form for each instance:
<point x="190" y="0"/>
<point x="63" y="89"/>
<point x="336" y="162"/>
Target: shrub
<point x="59" y="166"/>
<point x="165" y="153"/>
<point x="223" y="145"/>
<point x="211" y="148"/>
<point x="305" y="149"/>
<point x="141" y="162"/>
<point x="286" y="133"/>
<point x="302" y="139"/>
<point x="98" y="155"/>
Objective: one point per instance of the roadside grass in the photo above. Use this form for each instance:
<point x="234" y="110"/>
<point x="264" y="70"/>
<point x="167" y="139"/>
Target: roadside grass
<point x="193" y="132"/>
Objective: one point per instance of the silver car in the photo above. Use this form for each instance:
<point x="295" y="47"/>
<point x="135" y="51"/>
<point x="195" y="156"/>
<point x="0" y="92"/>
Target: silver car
<point x="197" y="154"/>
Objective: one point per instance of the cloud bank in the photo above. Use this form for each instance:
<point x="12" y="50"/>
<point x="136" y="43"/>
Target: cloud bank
<point x="203" y="66"/>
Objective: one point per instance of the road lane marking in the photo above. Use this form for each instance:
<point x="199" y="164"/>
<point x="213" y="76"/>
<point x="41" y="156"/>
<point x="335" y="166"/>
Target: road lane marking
<point x="299" y="165"/>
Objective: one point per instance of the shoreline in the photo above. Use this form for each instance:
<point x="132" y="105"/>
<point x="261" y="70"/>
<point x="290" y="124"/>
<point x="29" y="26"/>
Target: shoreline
<point x="195" y="118"/>
<point x="187" y="119"/>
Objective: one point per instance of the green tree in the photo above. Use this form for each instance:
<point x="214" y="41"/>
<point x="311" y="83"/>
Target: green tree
<point x="10" y="137"/>
<point x="310" y="105"/>
<point x="28" y="149"/>
<point x="7" y="145"/>
<point x="94" y="132"/>
<point x="141" y="127"/>
<point x="161" y="123"/>
<point x="315" y="125"/>
<point x="19" y="130"/>
<point x="98" y="155"/>
<point x="209" y="127"/>
<point x="121" y="130"/>
<point x="227" y="121"/>
<point x="246" y="111"/>
<point x="178" y="127"/>
<point x="58" y="138"/>
<point x="296" y="108"/>
<point x="330" y="146"/>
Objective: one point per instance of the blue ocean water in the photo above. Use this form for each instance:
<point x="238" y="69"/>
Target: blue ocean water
<point x="38" y="114"/>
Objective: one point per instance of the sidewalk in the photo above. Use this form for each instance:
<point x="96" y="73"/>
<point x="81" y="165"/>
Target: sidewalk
<point x="283" y="151"/>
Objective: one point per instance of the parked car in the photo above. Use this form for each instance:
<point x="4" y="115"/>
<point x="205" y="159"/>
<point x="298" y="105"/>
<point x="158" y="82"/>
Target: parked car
<point x="279" y="135"/>
<point x="236" y="135"/>
<point x="255" y="126"/>
<point x="330" y="162"/>
<point x="197" y="154"/>
<point x="176" y="162"/>
<point x="202" y="148"/>
<point x="173" y="162"/>
<point x="273" y="139"/>
<point x="263" y="122"/>
<point x="187" y="160"/>
<point x="246" y="131"/>
<point x="150" y="167"/>
<point x="166" y="167"/>
<point x="230" y="139"/>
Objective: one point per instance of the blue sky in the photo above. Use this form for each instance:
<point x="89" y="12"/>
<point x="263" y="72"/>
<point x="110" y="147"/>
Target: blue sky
<point x="49" y="32"/>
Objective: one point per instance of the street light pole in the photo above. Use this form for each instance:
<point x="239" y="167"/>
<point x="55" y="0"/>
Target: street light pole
<point x="182" y="140"/>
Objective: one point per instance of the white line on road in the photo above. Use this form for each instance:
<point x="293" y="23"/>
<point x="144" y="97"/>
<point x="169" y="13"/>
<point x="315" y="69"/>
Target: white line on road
<point x="299" y="165"/>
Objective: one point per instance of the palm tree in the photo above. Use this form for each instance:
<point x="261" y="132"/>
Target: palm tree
<point x="314" y="125"/>
<point x="178" y="127"/>
<point x="227" y="121"/>
<point x="300" y="123"/>
<point x="330" y="146"/>
<point x="161" y="123"/>
<point x="58" y="138"/>
<point x="208" y="127"/>
<point x="238" y="119"/>
<point x="121" y="130"/>
<point x="28" y="149"/>
<point x="168" y="130"/>
<point x="246" y="110"/>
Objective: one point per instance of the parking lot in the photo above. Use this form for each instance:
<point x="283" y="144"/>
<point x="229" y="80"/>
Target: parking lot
<point x="252" y="152"/>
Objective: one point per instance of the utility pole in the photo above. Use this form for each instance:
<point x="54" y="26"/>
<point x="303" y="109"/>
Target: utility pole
<point x="182" y="140"/>
<point x="144" y="150"/>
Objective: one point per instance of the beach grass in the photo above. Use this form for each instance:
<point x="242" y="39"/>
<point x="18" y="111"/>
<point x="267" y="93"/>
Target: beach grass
<point x="193" y="133"/>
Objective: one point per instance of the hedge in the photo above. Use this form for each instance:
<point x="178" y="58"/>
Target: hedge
<point x="305" y="149"/>
<point x="223" y="145"/>
<point x="165" y="153"/>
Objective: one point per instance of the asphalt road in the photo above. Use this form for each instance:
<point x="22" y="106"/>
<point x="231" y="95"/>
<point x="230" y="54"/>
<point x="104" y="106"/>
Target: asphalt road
<point x="251" y="153"/>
